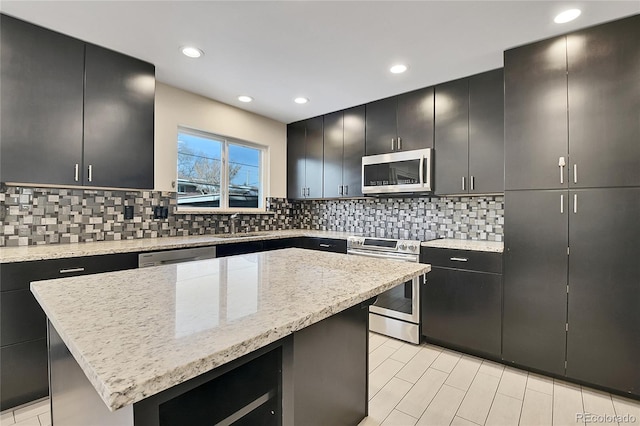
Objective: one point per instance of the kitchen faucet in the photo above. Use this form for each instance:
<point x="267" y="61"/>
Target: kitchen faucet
<point x="232" y="224"/>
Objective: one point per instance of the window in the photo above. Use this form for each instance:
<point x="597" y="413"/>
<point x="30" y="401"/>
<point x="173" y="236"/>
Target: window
<point x="219" y="172"/>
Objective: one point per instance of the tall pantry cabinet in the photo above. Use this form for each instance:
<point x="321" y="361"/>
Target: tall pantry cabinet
<point x="572" y="203"/>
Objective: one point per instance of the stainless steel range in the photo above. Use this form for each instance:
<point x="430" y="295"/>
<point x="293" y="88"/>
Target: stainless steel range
<point x="396" y="313"/>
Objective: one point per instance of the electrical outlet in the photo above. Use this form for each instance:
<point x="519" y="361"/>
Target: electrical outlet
<point x="128" y="212"/>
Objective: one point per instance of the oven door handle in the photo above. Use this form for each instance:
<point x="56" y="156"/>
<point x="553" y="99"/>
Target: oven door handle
<point x="390" y="256"/>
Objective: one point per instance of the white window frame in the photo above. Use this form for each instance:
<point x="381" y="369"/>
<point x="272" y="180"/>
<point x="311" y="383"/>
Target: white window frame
<point x="264" y="162"/>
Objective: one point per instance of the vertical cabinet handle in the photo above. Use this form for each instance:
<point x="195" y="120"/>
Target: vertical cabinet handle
<point x="302" y="192"/>
<point x="561" y="203"/>
<point x="575" y="203"/>
<point x="340" y="190"/>
<point x="399" y="143"/>
<point x="90" y="173"/>
<point x="561" y="164"/>
<point x="77" y="172"/>
<point x="346" y="190"/>
<point x="575" y="173"/>
<point x="464" y="183"/>
<point x="473" y="183"/>
<point x="393" y="144"/>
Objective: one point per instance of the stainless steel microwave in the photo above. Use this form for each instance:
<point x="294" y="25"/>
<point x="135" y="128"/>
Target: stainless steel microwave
<point x="397" y="172"/>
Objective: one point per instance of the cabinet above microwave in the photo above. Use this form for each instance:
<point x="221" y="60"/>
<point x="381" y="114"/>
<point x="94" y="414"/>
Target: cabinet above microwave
<point x="397" y="172"/>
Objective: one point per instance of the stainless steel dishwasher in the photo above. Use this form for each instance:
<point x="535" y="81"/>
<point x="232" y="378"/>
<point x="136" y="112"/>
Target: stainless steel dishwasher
<point x="165" y="257"/>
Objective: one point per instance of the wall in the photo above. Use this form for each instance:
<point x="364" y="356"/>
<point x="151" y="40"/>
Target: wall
<point x="175" y="107"/>
<point x="32" y="216"/>
<point x="417" y="218"/>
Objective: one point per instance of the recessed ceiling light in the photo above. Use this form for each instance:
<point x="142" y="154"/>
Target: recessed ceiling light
<point x="245" y="98"/>
<point x="567" y="16"/>
<point x="301" y="100"/>
<point x="192" y="52"/>
<point x="398" y="69"/>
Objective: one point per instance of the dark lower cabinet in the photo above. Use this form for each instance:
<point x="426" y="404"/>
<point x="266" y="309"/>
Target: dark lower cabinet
<point x="463" y="308"/>
<point x="23" y="343"/>
<point x="23" y="376"/>
<point x="535" y="279"/>
<point x="603" y="341"/>
<point x="224" y="250"/>
<point x="326" y="244"/>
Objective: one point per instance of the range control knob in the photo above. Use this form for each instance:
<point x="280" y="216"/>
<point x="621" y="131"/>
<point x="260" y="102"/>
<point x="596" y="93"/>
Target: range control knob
<point x="402" y="246"/>
<point x="413" y="247"/>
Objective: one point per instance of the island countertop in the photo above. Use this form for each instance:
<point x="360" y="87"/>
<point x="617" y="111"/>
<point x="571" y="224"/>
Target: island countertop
<point x="138" y="332"/>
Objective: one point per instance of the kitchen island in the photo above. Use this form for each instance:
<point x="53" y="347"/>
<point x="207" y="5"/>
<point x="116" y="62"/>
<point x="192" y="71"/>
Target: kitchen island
<point x="125" y="346"/>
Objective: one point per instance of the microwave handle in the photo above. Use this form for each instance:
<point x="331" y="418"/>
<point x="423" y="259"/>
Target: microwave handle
<point x="422" y="170"/>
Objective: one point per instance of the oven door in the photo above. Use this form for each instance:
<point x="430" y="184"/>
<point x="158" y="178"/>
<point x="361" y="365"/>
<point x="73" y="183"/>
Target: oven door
<point x="402" y="301"/>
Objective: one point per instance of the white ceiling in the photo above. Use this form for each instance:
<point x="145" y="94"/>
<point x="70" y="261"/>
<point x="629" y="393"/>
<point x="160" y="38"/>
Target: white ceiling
<point x="336" y="53"/>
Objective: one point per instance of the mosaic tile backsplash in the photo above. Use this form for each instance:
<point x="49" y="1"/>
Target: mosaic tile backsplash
<point x="30" y="216"/>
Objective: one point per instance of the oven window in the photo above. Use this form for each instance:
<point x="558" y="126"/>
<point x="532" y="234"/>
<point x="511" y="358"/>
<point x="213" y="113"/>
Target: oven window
<point x="396" y="173"/>
<point x="397" y="299"/>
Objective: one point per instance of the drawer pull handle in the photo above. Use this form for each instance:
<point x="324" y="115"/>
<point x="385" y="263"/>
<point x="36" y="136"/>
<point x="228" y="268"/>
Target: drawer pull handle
<point x="325" y="245"/>
<point x="460" y="259"/>
<point x="70" y="270"/>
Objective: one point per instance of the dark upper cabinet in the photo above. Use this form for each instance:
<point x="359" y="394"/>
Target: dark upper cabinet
<point x="535" y="115"/>
<point x="574" y="100"/>
<point x="344" y="134"/>
<point x="41" y="104"/>
<point x="382" y="126"/>
<point x="604" y="92"/>
<point x="400" y="123"/>
<point x="452" y="137"/>
<point x="603" y="347"/>
<point x="68" y="107"/>
<point x="118" y="120"/>
<point x="296" y="159"/>
<point x="469" y="139"/>
<point x="535" y="279"/>
<point x="486" y="132"/>
<point x="304" y="158"/>
<point x="333" y="154"/>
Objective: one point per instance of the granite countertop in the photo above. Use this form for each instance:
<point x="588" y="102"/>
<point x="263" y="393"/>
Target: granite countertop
<point x="138" y="332"/>
<point x="450" y="243"/>
<point x="61" y="251"/>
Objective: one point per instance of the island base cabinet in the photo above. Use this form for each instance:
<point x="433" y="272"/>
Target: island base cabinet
<point x="328" y="380"/>
<point x="74" y="400"/>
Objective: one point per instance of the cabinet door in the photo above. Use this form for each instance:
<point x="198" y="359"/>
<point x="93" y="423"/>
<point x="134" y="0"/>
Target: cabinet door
<point x="381" y="126"/>
<point x="23" y="373"/>
<point x="41" y="104"/>
<point x="118" y="120"/>
<point x="313" y="157"/>
<point x="535" y="279"/>
<point x="333" y="154"/>
<point x="415" y="116"/>
<point x="295" y="159"/>
<point x="604" y="88"/>
<point x="463" y="308"/>
<point x="353" y="151"/>
<point x="535" y="115"/>
<point x="603" y="345"/>
<point x="486" y="132"/>
<point x="452" y="137"/>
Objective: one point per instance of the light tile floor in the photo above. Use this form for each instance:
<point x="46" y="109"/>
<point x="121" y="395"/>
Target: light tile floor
<point x="429" y="385"/>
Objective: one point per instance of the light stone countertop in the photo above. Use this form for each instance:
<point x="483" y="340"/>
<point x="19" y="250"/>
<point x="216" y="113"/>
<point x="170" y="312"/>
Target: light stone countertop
<point x="61" y="251"/>
<point x="138" y="332"/>
<point x="450" y="243"/>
